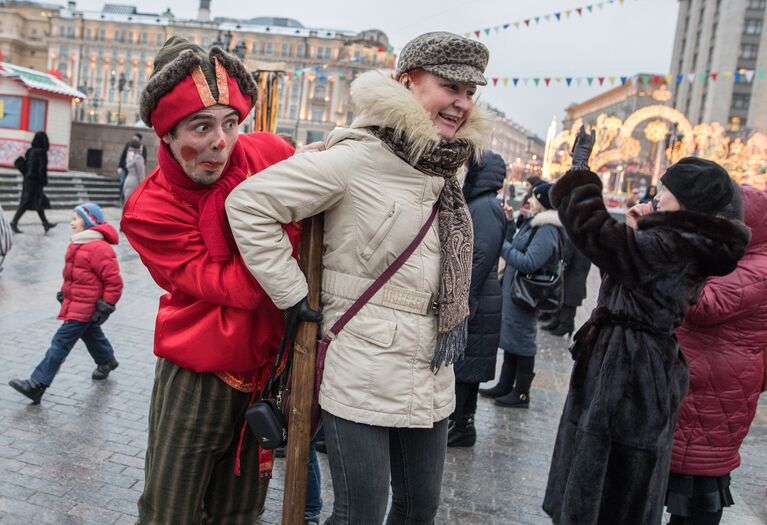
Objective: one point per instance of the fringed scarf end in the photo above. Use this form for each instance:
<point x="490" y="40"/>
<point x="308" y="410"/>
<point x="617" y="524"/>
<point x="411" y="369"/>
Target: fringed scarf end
<point x="450" y="345"/>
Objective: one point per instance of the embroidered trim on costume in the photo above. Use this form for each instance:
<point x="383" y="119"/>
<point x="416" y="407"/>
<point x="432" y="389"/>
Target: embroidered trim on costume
<point x="232" y="381"/>
<point x="203" y="89"/>
<point x="221" y="82"/>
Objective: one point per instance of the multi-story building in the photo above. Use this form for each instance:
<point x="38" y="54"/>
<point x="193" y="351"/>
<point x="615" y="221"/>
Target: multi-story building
<point x="108" y="55"/>
<point x="620" y="101"/>
<point x="717" y="36"/>
<point x="24" y="30"/>
<point x="521" y="150"/>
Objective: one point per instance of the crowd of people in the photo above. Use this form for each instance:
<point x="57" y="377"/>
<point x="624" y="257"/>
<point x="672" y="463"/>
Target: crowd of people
<point x="667" y="370"/>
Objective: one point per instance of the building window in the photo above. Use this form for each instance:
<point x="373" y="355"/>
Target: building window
<point x="740" y="101"/>
<point x="319" y="92"/>
<point x="749" y="51"/>
<point x="294" y="88"/>
<point x="315" y="136"/>
<point x="300" y="50"/>
<point x="10" y="112"/>
<point x="285" y="49"/>
<point x="102" y="34"/>
<point x="159" y="40"/>
<point x="757" y="4"/>
<point x="753" y="26"/>
<point x="130" y="37"/>
<point x="88" y="33"/>
<point x="37" y="113"/>
<point x="318" y="114"/>
<point x="293" y="112"/>
<point x="269" y="48"/>
<point x="70" y="32"/>
<point x="144" y="37"/>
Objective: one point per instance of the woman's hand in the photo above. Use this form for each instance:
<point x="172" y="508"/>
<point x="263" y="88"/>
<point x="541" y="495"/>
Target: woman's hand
<point x="633" y="214"/>
<point x="314" y="147"/>
<point x="584" y="143"/>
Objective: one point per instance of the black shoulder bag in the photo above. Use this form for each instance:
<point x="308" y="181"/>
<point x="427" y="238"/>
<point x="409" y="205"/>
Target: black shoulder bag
<point x="542" y="290"/>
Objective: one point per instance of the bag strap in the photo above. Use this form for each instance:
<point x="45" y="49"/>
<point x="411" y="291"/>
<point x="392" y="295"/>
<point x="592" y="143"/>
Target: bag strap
<point x="382" y="279"/>
<point x="287" y="338"/>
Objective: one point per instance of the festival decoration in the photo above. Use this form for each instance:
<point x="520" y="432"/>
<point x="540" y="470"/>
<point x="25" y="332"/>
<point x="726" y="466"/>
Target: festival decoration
<point x="620" y="150"/>
<point x="558" y="16"/>
<point x="742" y="76"/>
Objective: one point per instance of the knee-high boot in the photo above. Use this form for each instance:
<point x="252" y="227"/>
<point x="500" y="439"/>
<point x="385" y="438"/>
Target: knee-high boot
<point x="506" y="381"/>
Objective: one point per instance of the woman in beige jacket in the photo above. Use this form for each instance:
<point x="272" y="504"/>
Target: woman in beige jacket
<point x="387" y="390"/>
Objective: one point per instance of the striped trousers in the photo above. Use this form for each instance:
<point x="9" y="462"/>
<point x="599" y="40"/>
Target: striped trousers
<point x="194" y="428"/>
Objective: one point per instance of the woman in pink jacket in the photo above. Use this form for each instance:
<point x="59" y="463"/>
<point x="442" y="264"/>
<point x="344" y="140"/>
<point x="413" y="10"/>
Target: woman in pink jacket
<point x="723" y="338"/>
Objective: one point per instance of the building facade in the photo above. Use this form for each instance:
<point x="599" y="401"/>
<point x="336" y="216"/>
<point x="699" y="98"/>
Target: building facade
<point x="24" y="31"/>
<point x="718" y="36"/>
<point x="109" y="56"/>
<point x="521" y="150"/>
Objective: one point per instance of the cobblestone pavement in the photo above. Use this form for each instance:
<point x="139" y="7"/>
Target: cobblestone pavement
<point x="78" y="457"/>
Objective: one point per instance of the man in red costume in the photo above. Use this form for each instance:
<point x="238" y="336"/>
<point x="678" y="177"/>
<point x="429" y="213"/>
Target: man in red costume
<point x="217" y="332"/>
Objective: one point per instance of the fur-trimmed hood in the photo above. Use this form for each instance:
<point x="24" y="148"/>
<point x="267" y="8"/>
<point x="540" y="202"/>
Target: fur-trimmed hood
<point x="545" y="217"/>
<point x="717" y="242"/>
<point x="381" y="101"/>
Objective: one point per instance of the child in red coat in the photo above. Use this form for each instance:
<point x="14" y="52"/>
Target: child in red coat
<point x="92" y="287"/>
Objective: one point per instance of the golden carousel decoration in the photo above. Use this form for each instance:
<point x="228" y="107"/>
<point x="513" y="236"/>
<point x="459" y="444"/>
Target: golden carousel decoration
<point x="657" y="136"/>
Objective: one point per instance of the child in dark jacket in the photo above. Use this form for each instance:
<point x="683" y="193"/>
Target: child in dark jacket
<point x="92" y="286"/>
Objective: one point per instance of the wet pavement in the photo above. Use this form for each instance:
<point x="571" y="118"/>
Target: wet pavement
<point x="78" y="457"/>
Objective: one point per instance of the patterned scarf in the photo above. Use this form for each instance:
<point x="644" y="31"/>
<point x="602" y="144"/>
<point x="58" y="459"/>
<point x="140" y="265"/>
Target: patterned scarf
<point x="456" y="238"/>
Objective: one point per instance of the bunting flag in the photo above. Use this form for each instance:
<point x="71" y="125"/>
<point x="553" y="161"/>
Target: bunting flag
<point x="580" y="11"/>
<point x="742" y="75"/>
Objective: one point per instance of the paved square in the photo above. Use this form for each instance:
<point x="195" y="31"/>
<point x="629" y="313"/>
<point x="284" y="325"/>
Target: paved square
<point x="78" y="458"/>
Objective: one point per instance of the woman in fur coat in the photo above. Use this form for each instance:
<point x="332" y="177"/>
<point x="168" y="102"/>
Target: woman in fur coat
<point x="613" y="448"/>
<point x="388" y="383"/>
<point x="537" y="244"/>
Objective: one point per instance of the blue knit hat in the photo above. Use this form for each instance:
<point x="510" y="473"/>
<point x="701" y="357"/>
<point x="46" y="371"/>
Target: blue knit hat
<point x="91" y="213"/>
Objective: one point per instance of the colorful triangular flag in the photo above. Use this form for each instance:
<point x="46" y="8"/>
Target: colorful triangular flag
<point x="569" y="80"/>
<point x="536" y="80"/>
<point x="515" y="80"/>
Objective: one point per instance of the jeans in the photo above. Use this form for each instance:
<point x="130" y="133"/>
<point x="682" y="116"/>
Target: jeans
<point x="364" y="459"/>
<point x="63" y="341"/>
<point x="313" y="488"/>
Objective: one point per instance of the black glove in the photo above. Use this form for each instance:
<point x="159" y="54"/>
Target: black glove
<point x="60" y="296"/>
<point x="584" y="143"/>
<point x="300" y="312"/>
<point x="102" y="313"/>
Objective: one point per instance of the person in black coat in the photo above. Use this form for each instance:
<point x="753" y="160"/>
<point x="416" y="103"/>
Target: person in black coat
<point x="576" y="272"/>
<point x="536" y="245"/>
<point x="612" y="452"/>
<point x="480" y="189"/>
<point x="35" y="179"/>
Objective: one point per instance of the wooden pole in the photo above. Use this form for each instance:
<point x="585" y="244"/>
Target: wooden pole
<point x="302" y="380"/>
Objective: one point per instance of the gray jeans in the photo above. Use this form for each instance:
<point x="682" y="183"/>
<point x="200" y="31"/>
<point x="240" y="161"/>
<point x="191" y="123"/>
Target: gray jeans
<point x="364" y="459"/>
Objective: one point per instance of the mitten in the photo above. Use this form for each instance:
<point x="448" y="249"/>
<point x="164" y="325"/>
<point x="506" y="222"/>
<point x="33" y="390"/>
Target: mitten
<point x="102" y="313"/>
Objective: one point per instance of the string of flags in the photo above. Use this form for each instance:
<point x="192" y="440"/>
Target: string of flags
<point x="742" y="75"/>
<point x="551" y="17"/>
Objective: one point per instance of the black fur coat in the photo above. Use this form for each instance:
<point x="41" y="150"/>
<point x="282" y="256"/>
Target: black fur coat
<point x="612" y="452"/>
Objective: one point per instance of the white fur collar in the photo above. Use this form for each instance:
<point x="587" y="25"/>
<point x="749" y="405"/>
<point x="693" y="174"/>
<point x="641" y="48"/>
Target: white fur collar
<point x="87" y="236"/>
<point x="381" y="101"/>
<point x="545" y="217"/>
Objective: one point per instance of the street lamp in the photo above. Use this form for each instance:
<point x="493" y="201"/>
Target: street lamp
<point x="121" y="82"/>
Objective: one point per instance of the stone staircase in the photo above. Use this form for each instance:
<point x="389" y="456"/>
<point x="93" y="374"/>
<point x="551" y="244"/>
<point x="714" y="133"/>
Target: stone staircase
<point x="65" y="190"/>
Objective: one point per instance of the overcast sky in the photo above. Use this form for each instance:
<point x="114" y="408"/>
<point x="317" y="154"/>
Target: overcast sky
<point x="616" y="40"/>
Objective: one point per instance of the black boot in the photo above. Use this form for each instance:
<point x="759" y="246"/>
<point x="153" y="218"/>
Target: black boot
<point x="520" y="396"/>
<point x="506" y="381"/>
<point x="48" y="225"/>
<point x="102" y="371"/>
<point x="463" y="433"/>
<point x="15" y="228"/>
<point x="563" y="329"/>
<point x="30" y="388"/>
<point x="566" y="321"/>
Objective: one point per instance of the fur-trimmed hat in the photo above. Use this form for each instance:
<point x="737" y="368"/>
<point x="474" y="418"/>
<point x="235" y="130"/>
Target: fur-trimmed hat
<point x="186" y="79"/>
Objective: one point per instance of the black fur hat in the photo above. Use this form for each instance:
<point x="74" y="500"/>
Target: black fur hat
<point x="699" y="185"/>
